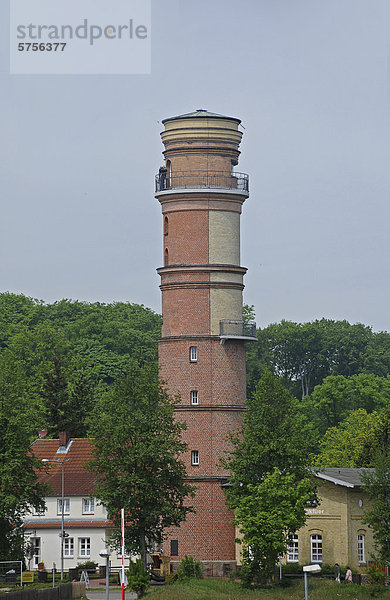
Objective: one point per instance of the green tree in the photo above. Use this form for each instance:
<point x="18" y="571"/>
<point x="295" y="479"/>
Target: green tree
<point x="19" y="487"/>
<point x="55" y="396"/>
<point x="333" y="400"/>
<point x="267" y="516"/>
<point x="351" y="444"/>
<point x="303" y="354"/>
<point x="137" y="458"/>
<point x="377" y="485"/>
<point x="16" y="312"/>
<point x="377" y="355"/>
<point x="68" y="393"/>
<point x="270" y="452"/>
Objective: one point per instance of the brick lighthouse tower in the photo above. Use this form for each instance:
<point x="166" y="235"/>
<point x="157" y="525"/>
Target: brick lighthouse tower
<point x="202" y="348"/>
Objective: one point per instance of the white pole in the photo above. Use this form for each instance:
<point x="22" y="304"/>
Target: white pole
<point x="306" y="590"/>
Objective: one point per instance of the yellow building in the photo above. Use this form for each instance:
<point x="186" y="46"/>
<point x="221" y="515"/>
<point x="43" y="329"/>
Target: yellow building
<point x="334" y="531"/>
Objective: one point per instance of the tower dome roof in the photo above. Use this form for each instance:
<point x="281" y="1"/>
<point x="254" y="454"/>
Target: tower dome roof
<point x="201" y="112"/>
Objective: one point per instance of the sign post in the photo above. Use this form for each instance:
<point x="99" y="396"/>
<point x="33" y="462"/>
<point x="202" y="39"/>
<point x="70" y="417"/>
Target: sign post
<point x="28" y="577"/>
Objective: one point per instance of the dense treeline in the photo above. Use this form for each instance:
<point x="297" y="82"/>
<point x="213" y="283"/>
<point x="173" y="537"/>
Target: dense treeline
<point x="68" y="352"/>
<point x="339" y="375"/>
<point x="304" y="354"/>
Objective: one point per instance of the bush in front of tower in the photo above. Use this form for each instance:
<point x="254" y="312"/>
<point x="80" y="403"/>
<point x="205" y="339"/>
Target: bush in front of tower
<point x="138" y="578"/>
<point x="190" y="568"/>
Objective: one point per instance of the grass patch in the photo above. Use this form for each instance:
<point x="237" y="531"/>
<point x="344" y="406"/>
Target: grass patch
<point x="218" y="589"/>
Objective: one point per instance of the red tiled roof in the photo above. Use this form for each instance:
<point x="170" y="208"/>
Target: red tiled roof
<point x="78" y="481"/>
<point x="68" y="524"/>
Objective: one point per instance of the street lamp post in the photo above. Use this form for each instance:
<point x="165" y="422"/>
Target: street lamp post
<point x="309" y="569"/>
<point x="106" y="554"/>
<point x="62" y="463"/>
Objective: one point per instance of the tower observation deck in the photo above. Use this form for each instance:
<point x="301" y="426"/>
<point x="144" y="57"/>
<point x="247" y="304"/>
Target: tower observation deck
<point x="202" y="346"/>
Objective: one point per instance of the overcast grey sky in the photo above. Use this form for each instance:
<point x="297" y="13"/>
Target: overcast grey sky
<point x="310" y="81"/>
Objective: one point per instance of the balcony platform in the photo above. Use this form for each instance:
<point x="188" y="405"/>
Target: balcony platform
<point x="237" y="183"/>
<point x="237" y="330"/>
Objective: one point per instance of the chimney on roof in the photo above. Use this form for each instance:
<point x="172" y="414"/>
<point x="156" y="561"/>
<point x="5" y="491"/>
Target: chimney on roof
<point x="63" y="438"/>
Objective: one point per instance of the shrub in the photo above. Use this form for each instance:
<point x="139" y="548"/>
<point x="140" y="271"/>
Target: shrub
<point x="171" y="578"/>
<point x="330" y="570"/>
<point x="292" y="569"/>
<point x="376" y="575"/>
<point x="137" y="577"/>
<point x="190" y="568"/>
<point x="88" y="565"/>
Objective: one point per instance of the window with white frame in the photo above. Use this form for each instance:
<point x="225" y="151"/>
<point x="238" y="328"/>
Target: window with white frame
<point x="36" y="543"/>
<point x="66" y="506"/>
<point x="316" y="548"/>
<point x="361" y="553"/>
<point x="292" y="549"/>
<point x="38" y="512"/>
<point x="194" y="397"/>
<point x="84" y="547"/>
<point x="195" y="457"/>
<point x="88" y="506"/>
<point x="193" y="353"/>
<point x="68" y="547"/>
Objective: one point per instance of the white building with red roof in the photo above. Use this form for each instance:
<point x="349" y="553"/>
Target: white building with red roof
<point x="86" y="524"/>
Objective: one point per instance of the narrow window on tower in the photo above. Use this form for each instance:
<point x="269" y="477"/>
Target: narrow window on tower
<point x="174" y="547"/>
<point x="166" y="257"/>
<point x="166" y="226"/>
<point x="194" y="396"/>
<point x="193" y="353"/>
<point x="195" y="458"/>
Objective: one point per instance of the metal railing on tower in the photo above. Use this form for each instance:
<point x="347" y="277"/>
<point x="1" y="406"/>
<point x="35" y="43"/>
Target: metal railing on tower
<point x="165" y="180"/>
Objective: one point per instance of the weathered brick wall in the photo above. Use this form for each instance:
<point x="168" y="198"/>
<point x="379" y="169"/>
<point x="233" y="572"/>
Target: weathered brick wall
<point x="209" y="160"/>
<point x="209" y="533"/>
<point x="218" y="374"/>
<point x="188" y="237"/>
<point x="186" y="312"/>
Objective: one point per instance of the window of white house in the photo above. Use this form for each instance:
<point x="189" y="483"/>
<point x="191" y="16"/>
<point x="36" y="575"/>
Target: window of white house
<point x="88" y="506"/>
<point x="36" y="542"/>
<point x="194" y="396"/>
<point x="84" y="547"/>
<point x="68" y="547"/>
<point x="193" y="353"/>
<point x="316" y="548"/>
<point x="292" y="549"/>
<point x="38" y="512"/>
<point x="66" y="506"/>
<point x="361" y="557"/>
<point x="195" y="457"/>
